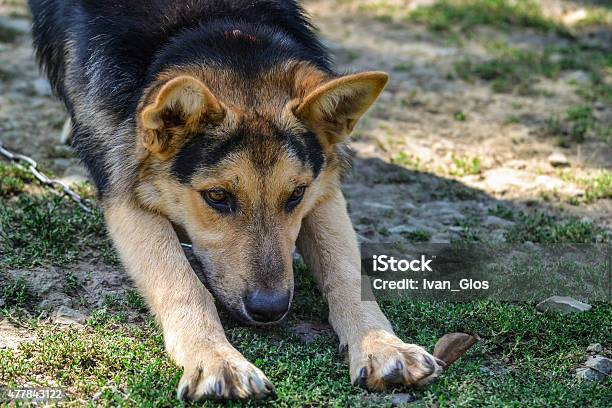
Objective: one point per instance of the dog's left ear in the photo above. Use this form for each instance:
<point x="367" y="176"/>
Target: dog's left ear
<point x="334" y="107"/>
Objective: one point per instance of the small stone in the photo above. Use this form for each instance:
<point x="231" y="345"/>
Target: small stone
<point x="406" y="206"/>
<point x="596" y="368"/>
<point x="493" y="221"/>
<point x="68" y="316"/>
<point x="42" y="87"/>
<point x="594" y="348"/>
<point x="378" y="206"/>
<point x="563" y="305"/>
<point x="440" y="239"/>
<point x="558" y="159"/>
<point x="401" y="399"/>
<point x="574" y="16"/>
<point x="407" y="229"/>
<point x="579" y="77"/>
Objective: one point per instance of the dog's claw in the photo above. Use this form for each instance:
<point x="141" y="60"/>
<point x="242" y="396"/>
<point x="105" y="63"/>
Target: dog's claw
<point x="396" y="375"/>
<point x="269" y="386"/>
<point x="218" y="389"/>
<point x="182" y="393"/>
<point x="362" y="378"/>
<point x="441" y="363"/>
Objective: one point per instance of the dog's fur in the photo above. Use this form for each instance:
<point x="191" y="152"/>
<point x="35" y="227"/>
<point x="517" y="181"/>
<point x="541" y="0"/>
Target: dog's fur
<point x="226" y="119"/>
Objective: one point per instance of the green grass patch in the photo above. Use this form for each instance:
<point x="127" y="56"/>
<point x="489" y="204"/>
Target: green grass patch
<point x="542" y="228"/>
<point x="417" y="236"/>
<point x="15" y="292"/>
<point x="513" y="70"/>
<point x="578" y="123"/>
<point x="45" y="229"/>
<point x="524" y="359"/>
<point x="464" y="165"/>
<point x="451" y="16"/>
<point x="408" y="161"/>
<point x="596" y="187"/>
<point x="465" y="15"/>
<point x="501" y="211"/>
<point x="517" y="70"/>
<point x="8" y="34"/>
<point x="596" y="16"/>
<point x="13" y="180"/>
<point x="38" y="230"/>
<point x="6" y="76"/>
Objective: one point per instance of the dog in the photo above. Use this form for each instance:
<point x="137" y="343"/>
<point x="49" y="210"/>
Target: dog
<point x="226" y="119"/>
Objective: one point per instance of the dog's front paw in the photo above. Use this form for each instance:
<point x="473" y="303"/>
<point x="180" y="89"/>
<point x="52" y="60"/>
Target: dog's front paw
<point x="382" y="360"/>
<point x="222" y="374"/>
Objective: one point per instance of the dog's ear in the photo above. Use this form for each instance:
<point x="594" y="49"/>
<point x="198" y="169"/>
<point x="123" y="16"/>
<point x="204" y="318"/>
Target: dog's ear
<point x="333" y="108"/>
<point x="173" y="110"/>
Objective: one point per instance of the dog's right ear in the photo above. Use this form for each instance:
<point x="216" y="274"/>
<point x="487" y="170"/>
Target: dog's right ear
<point x="175" y="108"/>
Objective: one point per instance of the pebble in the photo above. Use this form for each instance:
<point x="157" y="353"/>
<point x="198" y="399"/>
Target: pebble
<point x="42" y="87"/>
<point x="493" y="221"/>
<point x="597" y="369"/>
<point x="401" y="399"/>
<point x="558" y="159"/>
<point x="403" y="229"/>
<point x="378" y="206"/>
<point x="502" y="179"/>
<point x="68" y="316"/>
<point x="563" y="305"/>
<point x="440" y="239"/>
<point x="594" y="348"/>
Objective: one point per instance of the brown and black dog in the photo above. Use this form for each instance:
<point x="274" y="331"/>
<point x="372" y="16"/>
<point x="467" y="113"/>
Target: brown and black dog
<point x="225" y="119"/>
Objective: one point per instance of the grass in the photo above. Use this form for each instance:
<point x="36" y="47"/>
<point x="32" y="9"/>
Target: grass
<point x="417" y="236"/>
<point x="408" y="161"/>
<point x="511" y="70"/>
<point x="517" y="70"/>
<point x="44" y="229"/>
<point x="576" y="124"/>
<point x="542" y="228"/>
<point x="6" y="76"/>
<point x="524" y="358"/>
<point x="596" y="187"/>
<point x="15" y="292"/>
<point x="465" y="15"/>
<point x="464" y="165"/>
<point x="8" y="34"/>
<point x="447" y="16"/>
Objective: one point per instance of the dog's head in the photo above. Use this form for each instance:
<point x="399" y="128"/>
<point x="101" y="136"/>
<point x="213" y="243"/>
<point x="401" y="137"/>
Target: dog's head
<point x="238" y="163"/>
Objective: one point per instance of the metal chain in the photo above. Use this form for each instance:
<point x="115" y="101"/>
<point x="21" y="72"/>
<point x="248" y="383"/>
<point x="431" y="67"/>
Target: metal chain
<point x="30" y="164"/>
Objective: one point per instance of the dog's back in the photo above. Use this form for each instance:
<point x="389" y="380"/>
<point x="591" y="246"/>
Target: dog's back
<point x="100" y="56"/>
<point x="112" y="45"/>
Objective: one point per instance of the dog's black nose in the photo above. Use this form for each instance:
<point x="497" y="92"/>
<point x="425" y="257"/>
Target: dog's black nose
<point x="265" y="306"/>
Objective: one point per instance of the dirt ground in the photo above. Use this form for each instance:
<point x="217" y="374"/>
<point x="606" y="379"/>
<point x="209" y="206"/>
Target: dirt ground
<point x="410" y="173"/>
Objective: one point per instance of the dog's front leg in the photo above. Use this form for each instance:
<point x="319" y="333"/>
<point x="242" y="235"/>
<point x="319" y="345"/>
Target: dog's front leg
<point x="184" y="308"/>
<point x="378" y="358"/>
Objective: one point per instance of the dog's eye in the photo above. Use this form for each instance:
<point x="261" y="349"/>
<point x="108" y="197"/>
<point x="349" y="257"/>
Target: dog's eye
<point x="295" y="198"/>
<point x="220" y="200"/>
